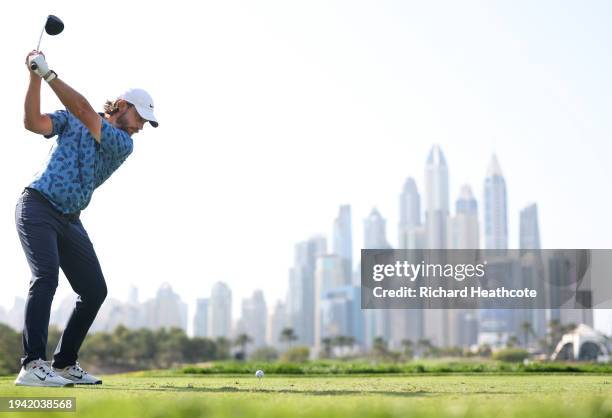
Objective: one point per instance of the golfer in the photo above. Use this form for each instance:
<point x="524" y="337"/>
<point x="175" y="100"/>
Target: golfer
<point x="88" y="149"/>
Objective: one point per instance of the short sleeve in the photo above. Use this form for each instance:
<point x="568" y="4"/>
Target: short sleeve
<point x="115" y="141"/>
<point x="59" y="120"/>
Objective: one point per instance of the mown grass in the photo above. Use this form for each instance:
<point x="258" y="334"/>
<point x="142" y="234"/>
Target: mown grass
<point x="332" y="396"/>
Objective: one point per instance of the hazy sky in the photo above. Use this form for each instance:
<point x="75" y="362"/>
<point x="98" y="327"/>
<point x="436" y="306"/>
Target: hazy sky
<point x="274" y="113"/>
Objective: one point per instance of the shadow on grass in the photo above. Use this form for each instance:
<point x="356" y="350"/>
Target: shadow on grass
<point x="231" y="389"/>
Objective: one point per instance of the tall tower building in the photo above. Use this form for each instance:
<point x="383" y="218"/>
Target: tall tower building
<point x="276" y="323"/>
<point x="133" y="295"/>
<point x="254" y="318"/>
<point x="410" y="232"/>
<point x="436" y="199"/>
<point x="166" y="310"/>
<point x="407" y="324"/>
<point x="200" y="320"/>
<point x="301" y="294"/>
<point x="220" y="311"/>
<point x="495" y="208"/>
<point x="496" y="324"/>
<point x="343" y="241"/>
<point x="375" y="231"/>
<point x="529" y="238"/>
<point x="328" y="276"/>
<point x="464" y="232"/>
<point x="377" y="321"/>
<point x="435" y="321"/>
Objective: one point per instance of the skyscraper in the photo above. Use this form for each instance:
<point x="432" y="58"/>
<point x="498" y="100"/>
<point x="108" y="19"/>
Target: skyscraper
<point x="254" y="318"/>
<point x="532" y="269"/>
<point x="495" y="208"/>
<point x="133" y="295"/>
<point x="435" y="321"/>
<point x="464" y="235"/>
<point x="375" y="231"/>
<point x="410" y="232"/>
<point x="343" y="241"/>
<point x="200" y="320"/>
<point x="166" y="310"/>
<point x="328" y="276"/>
<point x="464" y="232"/>
<point x="14" y="317"/>
<point x="436" y="198"/>
<point x="407" y="324"/>
<point x="340" y="313"/>
<point x="276" y="323"/>
<point x="301" y="294"/>
<point x="377" y="321"/>
<point x="529" y="230"/>
<point x="496" y="324"/>
<point x="220" y="311"/>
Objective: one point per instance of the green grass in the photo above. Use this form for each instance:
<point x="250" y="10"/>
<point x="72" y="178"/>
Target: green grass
<point x="166" y="394"/>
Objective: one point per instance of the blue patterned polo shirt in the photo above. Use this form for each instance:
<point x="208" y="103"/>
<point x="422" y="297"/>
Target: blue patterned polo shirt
<point x="77" y="163"/>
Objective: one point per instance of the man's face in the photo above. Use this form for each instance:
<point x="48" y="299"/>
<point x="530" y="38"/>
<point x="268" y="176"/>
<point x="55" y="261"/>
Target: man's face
<point x="128" y="119"/>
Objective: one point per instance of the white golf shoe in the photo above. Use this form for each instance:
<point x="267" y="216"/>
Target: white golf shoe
<point x="77" y="375"/>
<point x="39" y="373"/>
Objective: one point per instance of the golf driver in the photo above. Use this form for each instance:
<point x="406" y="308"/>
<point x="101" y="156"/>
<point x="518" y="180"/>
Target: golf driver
<point x="53" y="26"/>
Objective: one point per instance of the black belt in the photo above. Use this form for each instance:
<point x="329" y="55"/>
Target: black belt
<point x="72" y="217"/>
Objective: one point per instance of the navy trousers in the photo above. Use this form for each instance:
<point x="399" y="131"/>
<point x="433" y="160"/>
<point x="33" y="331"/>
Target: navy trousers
<point x="52" y="241"/>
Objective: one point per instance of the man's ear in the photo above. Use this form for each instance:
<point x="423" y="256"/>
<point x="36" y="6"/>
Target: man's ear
<point x="123" y="106"/>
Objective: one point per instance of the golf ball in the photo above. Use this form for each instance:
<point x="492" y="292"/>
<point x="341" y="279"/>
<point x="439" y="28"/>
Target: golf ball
<point x="259" y="374"/>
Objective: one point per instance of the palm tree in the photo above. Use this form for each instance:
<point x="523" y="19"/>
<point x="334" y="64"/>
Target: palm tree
<point x="379" y="346"/>
<point x="527" y="331"/>
<point x="343" y="342"/>
<point x="340" y="341"/>
<point x="242" y="341"/>
<point x="512" y="341"/>
<point x="568" y="328"/>
<point x="349" y="341"/>
<point x="223" y="347"/>
<point x="327" y="346"/>
<point x="424" y="346"/>
<point x="407" y="344"/>
<point x="288" y="336"/>
<point x="555" y="332"/>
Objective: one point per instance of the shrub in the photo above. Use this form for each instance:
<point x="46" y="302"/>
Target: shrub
<point x="296" y="354"/>
<point x="511" y="355"/>
<point x="264" y="354"/>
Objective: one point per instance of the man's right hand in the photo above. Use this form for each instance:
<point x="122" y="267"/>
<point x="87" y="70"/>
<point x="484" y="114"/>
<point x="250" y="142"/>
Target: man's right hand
<point x="38" y="58"/>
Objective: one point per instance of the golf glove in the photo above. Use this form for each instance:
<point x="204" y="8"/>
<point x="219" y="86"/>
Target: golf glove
<point x="42" y="69"/>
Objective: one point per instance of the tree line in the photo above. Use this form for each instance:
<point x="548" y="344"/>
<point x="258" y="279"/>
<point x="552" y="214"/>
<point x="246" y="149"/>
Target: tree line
<point x="140" y="349"/>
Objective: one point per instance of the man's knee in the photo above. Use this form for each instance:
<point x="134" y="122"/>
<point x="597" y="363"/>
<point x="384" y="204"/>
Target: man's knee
<point x="96" y="295"/>
<point x="103" y="293"/>
<point x="46" y="283"/>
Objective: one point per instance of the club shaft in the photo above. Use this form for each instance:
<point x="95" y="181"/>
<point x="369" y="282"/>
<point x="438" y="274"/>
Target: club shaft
<point x="40" y="38"/>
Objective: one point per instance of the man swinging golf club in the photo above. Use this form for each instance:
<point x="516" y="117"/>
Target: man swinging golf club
<point x="89" y="148"/>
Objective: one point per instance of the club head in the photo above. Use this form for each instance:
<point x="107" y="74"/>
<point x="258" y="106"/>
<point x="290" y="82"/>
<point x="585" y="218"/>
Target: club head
<point x="54" y="25"/>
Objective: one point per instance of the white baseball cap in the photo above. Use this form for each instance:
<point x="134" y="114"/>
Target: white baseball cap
<point x="143" y="102"/>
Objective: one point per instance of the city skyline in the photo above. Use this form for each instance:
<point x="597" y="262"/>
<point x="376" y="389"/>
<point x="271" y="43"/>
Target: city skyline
<point x="459" y="229"/>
